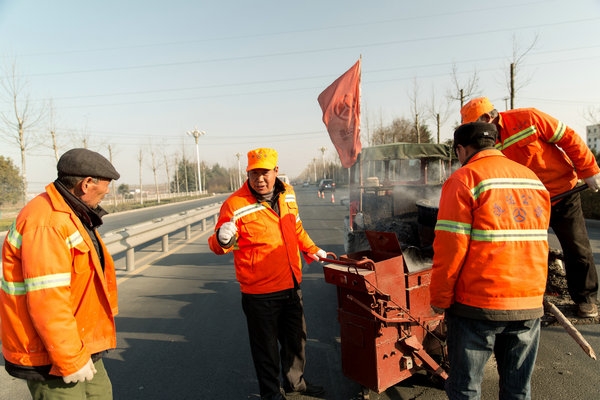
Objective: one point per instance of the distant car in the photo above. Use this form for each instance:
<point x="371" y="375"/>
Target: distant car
<point x="326" y="184"/>
<point x="284" y="178"/>
<point x="305" y="184"/>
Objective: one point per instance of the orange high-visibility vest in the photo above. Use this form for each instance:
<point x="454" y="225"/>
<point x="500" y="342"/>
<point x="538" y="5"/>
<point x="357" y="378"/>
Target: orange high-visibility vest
<point x="490" y="247"/>
<point x="557" y="155"/>
<point x="56" y="304"/>
<point x="267" y="252"/>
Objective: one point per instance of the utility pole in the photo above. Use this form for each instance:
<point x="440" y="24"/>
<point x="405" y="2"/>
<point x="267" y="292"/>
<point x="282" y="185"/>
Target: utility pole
<point x="238" y="155"/>
<point x="196" y="134"/>
<point x="512" y="86"/>
<point x="114" y="193"/>
<point x="323" y="156"/>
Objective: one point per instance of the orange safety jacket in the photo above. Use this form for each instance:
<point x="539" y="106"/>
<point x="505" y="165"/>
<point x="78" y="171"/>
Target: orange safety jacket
<point x="535" y="139"/>
<point x="57" y="306"/>
<point x="267" y="250"/>
<point x="490" y="246"/>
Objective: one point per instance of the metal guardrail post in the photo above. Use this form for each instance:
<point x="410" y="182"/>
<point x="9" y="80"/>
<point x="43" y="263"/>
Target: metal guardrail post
<point x="130" y="259"/>
<point x="188" y="232"/>
<point x="203" y="224"/>
<point x="165" y="243"/>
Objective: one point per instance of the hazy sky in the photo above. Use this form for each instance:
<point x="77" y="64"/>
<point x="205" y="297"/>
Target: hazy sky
<point x="139" y="74"/>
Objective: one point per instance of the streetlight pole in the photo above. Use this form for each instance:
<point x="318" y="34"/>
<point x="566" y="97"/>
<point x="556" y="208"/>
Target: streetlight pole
<point x="196" y="134"/>
<point x="323" y="155"/>
<point x="238" y="155"/>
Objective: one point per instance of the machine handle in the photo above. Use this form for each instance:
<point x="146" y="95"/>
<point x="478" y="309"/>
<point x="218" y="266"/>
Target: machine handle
<point x="576" y="189"/>
<point x="364" y="263"/>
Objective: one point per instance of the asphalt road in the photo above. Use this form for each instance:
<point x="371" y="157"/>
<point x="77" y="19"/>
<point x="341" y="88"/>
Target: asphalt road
<point x="182" y="334"/>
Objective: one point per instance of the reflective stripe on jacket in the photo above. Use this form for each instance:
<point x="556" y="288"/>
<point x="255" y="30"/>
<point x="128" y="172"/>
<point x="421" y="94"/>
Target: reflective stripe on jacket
<point x="268" y="246"/>
<point x="57" y="306"/>
<point x="530" y="137"/>
<point x="490" y="247"/>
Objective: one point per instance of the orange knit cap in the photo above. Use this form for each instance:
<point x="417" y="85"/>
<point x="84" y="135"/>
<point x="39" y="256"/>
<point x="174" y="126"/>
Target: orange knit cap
<point x="475" y="108"/>
<point x="262" y="158"/>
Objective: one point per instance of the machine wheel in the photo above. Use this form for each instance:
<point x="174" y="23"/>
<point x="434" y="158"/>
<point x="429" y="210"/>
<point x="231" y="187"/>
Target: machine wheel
<point x="437" y="381"/>
<point x="365" y="393"/>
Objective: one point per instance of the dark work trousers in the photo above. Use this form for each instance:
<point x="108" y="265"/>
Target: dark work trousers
<point x="277" y="332"/>
<point x="568" y="224"/>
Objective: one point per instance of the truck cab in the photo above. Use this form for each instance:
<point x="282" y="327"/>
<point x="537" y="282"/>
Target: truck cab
<point x="396" y="188"/>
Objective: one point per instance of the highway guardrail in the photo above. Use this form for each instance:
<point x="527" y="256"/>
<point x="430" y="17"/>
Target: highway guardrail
<point x="128" y="238"/>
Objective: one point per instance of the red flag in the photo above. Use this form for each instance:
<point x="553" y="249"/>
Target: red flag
<point x="340" y="103"/>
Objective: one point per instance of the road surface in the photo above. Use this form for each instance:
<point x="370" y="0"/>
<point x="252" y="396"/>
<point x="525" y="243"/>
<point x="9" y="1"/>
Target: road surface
<point x="182" y="333"/>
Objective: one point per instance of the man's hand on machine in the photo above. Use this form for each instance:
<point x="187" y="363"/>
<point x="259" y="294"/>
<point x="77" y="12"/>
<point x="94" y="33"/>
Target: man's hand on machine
<point x="593" y="182"/>
<point x="318" y="255"/>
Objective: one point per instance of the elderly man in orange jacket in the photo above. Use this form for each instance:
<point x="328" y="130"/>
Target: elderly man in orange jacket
<point x="559" y="157"/>
<point x="490" y="265"/>
<point x="59" y="290"/>
<point x="261" y="225"/>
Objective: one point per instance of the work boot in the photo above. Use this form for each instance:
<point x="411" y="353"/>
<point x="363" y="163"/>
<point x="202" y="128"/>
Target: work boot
<point x="275" y="396"/>
<point x="587" y="310"/>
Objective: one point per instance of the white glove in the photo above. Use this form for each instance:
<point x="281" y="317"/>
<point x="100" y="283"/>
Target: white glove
<point x="318" y="255"/>
<point x="226" y="232"/>
<point x="84" y="374"/>
<point x="593" y="182"/>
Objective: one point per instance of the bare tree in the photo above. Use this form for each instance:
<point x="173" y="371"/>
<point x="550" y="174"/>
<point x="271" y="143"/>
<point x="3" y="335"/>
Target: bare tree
<point x="154" y="165"/>
<point x="187" y="190"/>
<point x="167" y="164"/>
<point x="515" y="68"/>
<point x="592" y="115"/>
<point x="400" y="130"/>
<point x="20" y="121"/>
<point x="140" y="159"/>
<point x="366" y="133"/>
<point x="439" y="113"/>
<point x="177" y="173"/>
<point x="416" y="109"/>
<point x="52" y="129"/>
<point x="462" y="89"/>
<point x="110" y="158"/>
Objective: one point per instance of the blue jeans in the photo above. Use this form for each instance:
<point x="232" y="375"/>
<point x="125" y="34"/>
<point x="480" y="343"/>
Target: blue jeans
<point x="471" y="342"/>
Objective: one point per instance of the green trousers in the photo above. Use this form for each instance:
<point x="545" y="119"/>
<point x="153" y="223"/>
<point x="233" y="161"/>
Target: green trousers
<point x="98" y="388"/>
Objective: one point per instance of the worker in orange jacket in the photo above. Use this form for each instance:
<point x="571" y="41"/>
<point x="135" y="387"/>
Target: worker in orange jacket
<point x="490" y="265"/>
<point x="559" y="157"/>
<point x="59" y="291"/>
<point x="260" y="224"/>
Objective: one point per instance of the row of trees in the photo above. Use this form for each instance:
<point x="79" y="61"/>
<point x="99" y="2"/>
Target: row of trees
<point x="216" y="179"/>
<point x="219" y="179"/>
<point x="26" y="125"/>
<point x="11" y="182"/>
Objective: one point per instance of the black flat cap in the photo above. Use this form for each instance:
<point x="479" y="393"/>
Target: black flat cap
<point x="84" y="162"/>
<point x="470" y="133"/>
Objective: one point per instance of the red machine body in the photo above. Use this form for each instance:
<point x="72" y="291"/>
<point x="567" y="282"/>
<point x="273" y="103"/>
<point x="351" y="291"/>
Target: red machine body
<point x="388" y="330"/>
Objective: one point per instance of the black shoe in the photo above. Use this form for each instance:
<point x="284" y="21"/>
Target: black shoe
<point x="276" y="396"/>
<point x="311" y="390"/>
